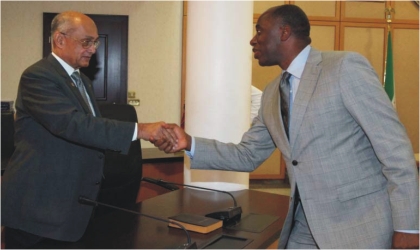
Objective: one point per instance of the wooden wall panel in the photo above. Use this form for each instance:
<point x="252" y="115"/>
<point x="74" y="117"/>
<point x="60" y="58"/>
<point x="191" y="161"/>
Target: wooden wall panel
<point x="363" y="11"/>
<point x="261" y="76"/>
<point x="405" y="12"/>
<point x="270" y="169"/>
<point x="368" y="41"/>
<point x="325" y="35"/>
<point x="320" y="10"/>
<point x="261" y="6"/>
<point x="406" y="75"/>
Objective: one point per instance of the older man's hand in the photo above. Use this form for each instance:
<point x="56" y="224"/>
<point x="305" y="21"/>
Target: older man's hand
<point x="157" y="132"/>
<point x="183" y="140"/>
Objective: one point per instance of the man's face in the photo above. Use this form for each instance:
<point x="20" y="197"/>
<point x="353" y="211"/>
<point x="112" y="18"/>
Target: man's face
<point x="266" y="40"/>
<point x="77" y="53"/>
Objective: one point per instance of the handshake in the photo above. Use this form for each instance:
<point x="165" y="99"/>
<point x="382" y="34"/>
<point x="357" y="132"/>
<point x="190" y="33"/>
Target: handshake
<point x="169" y="138"/>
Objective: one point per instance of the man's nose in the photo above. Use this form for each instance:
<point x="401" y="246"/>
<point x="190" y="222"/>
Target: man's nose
<point x="253" y="41"/>
<point x="92" y="49"/>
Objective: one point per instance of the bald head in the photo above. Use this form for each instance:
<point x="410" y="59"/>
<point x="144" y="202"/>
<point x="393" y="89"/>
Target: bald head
<point x="74" y="38"/>
<point x="66" y="22"/>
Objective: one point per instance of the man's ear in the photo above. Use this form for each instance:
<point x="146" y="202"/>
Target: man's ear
<point x="285" y="32"/>
<point x="58" y="40"/>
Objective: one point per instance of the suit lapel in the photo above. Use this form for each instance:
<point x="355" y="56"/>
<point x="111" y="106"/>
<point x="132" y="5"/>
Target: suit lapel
<point x="73" y="88"/>
<point x="306" y="88"/>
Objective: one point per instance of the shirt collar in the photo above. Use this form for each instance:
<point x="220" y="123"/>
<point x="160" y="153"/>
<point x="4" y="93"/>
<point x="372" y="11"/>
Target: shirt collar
<point x="69" y="69"/>
<point x="298" y="64"/>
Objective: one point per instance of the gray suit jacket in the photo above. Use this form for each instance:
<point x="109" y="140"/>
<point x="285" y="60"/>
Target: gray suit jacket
<point x="59" y="154"/>
<point x="348" y="153"/>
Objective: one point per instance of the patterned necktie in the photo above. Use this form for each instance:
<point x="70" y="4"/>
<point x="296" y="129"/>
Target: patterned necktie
<point x="78" y="80"/>
<point x="284" y="104"/>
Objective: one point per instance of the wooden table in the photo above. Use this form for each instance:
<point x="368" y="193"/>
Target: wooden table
<point x="124" y="230"/>
<point x="159" y="165"/>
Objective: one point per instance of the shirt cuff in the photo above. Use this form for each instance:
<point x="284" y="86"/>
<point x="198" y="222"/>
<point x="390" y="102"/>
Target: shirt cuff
<point x="191" y="152"/>
<point x="135" y="132"/>
<point x="408" y="231"/>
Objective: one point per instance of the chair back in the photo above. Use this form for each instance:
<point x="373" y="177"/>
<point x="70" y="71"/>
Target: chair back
<point x="122" y="173"/>
<point x="7" y="138"/>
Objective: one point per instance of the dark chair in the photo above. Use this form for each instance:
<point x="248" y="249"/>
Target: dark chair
<point x="122" y="173"/>
<point x="7" y="138"/>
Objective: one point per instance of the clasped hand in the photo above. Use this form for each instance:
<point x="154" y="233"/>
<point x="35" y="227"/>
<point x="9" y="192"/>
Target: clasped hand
<point x="183" y="140"/>
<point x="158" y="133"/>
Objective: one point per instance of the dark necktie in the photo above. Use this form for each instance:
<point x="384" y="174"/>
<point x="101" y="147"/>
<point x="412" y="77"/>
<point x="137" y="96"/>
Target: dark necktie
<point x="284" y="95"/>
<point x="78" y="81"/>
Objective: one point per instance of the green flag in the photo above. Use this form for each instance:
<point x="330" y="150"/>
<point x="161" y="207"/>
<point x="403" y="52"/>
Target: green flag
<point x="389" y="71"/>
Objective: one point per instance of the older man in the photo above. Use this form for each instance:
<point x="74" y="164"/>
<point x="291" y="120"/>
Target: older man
<point x="60" y="141"/>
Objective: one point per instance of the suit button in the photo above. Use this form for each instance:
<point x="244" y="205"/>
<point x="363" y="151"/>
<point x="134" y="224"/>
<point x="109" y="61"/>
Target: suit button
<point x="97" y="183"/>
<point x="294" y="162"/>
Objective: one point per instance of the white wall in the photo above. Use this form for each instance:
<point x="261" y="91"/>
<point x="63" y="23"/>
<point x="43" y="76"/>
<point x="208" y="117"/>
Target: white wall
<point x="154" y="49"/>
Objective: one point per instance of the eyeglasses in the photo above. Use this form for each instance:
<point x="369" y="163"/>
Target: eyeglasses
<point x="86" y="43"/>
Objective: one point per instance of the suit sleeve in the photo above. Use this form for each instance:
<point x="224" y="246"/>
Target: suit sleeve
<point x="48" y="100"/>
<point x="255" y="147"/>
<point x="366" y="100"/>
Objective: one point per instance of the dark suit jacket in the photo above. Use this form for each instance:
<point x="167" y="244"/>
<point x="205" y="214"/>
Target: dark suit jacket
<point x="59" y="154"/>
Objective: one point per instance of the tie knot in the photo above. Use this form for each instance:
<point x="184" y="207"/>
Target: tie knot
<point x="285" y="77"/>
<point x="76" y="77"/>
